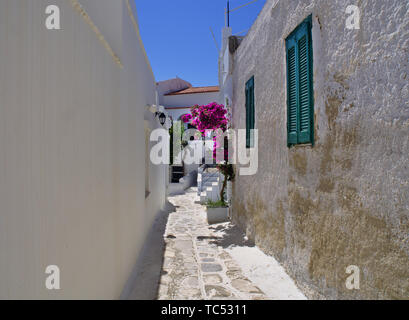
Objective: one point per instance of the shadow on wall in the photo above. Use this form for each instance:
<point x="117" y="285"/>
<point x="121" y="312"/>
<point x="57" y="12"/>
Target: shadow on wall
<point x="144" y="281"/>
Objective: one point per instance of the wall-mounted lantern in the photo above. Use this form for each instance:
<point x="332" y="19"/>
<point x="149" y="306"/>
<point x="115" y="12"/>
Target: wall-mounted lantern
<point x="162" y="118"/>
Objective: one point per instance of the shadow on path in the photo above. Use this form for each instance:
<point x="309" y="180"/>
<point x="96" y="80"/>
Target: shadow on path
<point x="230" y="235"/>
<point x="144" y="281"/>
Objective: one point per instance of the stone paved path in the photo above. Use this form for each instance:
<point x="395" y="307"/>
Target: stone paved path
<point x="196" y="264"/>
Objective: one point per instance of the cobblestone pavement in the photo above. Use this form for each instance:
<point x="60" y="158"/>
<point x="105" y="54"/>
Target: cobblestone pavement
<point x="196" y="264"/>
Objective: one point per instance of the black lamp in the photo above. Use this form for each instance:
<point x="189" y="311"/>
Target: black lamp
<point x="162" y="118"/>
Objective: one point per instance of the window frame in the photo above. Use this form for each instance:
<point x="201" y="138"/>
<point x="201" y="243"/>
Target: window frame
<point x="250" y="103"/>
<point x="291" y="41"/>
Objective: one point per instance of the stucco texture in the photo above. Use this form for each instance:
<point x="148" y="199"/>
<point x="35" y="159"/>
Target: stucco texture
<point x="72" y="160"/>
<point x="345" y="200"/>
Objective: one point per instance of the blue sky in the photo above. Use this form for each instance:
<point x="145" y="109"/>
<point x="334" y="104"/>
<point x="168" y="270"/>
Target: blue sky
<point x="177" y="38"/>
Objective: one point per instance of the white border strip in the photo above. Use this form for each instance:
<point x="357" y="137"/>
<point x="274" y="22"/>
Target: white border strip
<point x="77" y="6"/>
<point x="135" y="24"/>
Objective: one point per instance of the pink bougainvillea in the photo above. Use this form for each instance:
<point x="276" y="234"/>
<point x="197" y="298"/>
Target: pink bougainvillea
<point x="209" y="117"/>
<point x="186" y="118"/>
<point x="212" y="116"/>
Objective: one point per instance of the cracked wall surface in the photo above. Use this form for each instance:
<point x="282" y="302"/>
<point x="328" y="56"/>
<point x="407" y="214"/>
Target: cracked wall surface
<point x="345" y="200"/>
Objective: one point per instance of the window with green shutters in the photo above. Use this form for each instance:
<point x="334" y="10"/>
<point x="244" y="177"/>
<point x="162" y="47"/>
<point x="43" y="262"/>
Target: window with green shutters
<point x="300" y="103"/>
<point x="250" y="116"/>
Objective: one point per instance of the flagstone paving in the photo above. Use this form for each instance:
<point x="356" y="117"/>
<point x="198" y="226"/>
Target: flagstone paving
<point x="196" y="264"/>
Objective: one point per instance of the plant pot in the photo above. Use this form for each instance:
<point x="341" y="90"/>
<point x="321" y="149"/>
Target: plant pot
<point x="217" y="215"/>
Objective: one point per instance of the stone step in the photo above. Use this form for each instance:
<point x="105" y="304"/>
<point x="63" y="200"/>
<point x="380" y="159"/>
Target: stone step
<point x="212" y="193"/>
<point x="203" y="197"/>
<point x="210" y="179"/>
<point x="209" y="184"/>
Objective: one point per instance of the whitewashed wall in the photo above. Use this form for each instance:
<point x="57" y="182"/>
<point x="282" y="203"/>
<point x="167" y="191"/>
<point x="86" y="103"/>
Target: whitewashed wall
<point x="188" y="100"/>
<point x="178" y="105"/>
<point x="72" y="189"/>
<point x="177" y="113"/>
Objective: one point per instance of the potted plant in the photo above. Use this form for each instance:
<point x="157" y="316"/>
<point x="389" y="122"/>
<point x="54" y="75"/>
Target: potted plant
<point x="217" y="211"/>
<point x="228" y="172"/>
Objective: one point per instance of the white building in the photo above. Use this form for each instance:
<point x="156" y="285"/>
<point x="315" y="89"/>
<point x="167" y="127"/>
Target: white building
<point x="178" y="96"/>
<point x="77" y="189"/>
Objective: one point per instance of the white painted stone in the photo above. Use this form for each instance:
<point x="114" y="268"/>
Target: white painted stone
<point x="217" y="215"/>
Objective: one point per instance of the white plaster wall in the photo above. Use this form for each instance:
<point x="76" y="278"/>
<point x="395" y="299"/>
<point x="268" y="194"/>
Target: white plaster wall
<point x="345" y="200"/>
<point x="72" y="150"/>
<point x="104" y="15"/>
<point x="189" y="100"/>
<point x="177" y="113"/>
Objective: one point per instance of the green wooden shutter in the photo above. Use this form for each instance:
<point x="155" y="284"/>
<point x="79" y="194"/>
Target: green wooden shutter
<point x="292" y="125"/>
<point x="305" y="84"/>
<point x="247" y="116"/>
<point x="250" y="112"/>
<point x="299" y="82"/>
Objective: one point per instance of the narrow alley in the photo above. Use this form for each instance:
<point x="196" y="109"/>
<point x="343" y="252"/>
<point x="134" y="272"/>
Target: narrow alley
<point x="204" y="150"/>
<point x="204" y="261"/>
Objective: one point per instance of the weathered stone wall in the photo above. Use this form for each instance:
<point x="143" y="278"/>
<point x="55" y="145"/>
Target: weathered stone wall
<point x="343" y="201"/>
